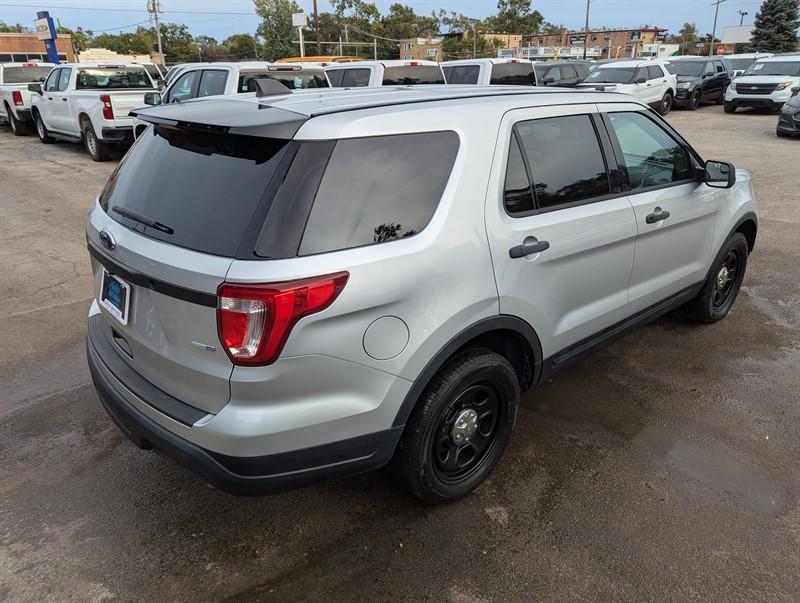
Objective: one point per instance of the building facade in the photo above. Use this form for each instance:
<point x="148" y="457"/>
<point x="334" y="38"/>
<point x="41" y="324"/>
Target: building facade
<point x="421" y="49"/>
<point x="22" y="47"/>
<point x="615" y="43"/>
<point x="505" y="40"/>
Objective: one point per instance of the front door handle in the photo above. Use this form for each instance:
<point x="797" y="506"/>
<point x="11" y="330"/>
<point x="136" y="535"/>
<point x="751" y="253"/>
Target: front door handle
<point x="65" y="99"/>
<point x="520" y="251"/>
<point x="657" y="215"/>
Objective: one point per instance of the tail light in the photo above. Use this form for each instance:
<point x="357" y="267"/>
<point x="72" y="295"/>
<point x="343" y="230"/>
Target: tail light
<point x="254" y="321"/>
<point x="16" y="96"/>
<point x="108" y="110"/>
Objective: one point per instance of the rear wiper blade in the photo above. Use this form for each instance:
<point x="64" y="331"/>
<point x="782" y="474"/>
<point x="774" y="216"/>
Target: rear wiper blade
<point x="134" y="215"/>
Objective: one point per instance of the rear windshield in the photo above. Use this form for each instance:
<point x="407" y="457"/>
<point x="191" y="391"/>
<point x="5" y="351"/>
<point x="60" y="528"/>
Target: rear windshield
<point x="512" y="74"/>
<point x="294" y="80"/>
<point x="203" y="186"/>
<point x="109" y="78"/>
<point x="412" y="74"/>
<point x="789" y="68"/>
<point x="461" y="74"/>
<point x="25" y="75"/>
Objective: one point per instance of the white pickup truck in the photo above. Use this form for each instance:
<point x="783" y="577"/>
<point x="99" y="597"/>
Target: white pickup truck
<point x="89" y="103"/>
<point x="15" y="98"/>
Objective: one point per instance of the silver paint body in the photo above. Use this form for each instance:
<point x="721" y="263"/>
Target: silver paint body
<point x="604" y="264"/>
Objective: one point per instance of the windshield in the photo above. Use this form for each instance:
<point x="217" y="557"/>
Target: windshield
<point x="25" y="75"/>
<point x="690" y="68"/>
<point x="791" y="68"/>
<point x="107" y="78"/>
<point x="294" y="80"/>
<point x="739" y="64"/>
<point x="204" y="186"/>
<point x="612" y="75"/>
<point x="412" y="74"/>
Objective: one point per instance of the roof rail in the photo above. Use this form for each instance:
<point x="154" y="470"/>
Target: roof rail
<point x="268" y="87"/>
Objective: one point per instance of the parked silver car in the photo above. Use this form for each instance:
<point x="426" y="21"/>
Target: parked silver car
<point x="297" y="286"/>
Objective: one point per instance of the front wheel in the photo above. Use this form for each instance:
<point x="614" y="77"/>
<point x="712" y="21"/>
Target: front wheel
<point x="666" y="104"/>
<point x="98" y="151"/>
<point x="729" y="108"/>
<point x="719" y="292"/>
<point x="695" y="101"/>
<point x="459" y="428"/>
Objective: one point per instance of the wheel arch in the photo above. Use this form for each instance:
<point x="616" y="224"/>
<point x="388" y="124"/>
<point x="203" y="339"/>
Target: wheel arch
<point x="747" y="224"/>
<point x="509" y="336"/>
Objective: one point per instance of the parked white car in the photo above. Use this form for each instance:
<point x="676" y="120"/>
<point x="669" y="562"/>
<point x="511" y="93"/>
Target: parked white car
<point x="89" y="103"/>
<point x="490" y="72"/>
<point x="384" y="73"/>
<point x="15" y="98"/>
<point x="738" y="63"/>
<point x="214" y="79"/>
<point x="649" y="81"/>
<point x="766" y="84"/>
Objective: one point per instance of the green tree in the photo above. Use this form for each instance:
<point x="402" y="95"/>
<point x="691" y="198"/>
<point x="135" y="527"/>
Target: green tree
<point x="515" y="17"/>
<point x="276" y="27"/>
<point x="775" y="27"/>
<point x="241" y="47"/>
<point x="139" y="42"/>
<point x="209" y="48"/>
<point x="686" y="38"/>
<point x="18" y="28"/>
<point x="80" y="38"/>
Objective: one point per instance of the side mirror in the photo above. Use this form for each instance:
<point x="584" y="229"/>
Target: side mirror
<point x="795" y="90"/>
<point x="37" y="88"/>
<point x="640" y="80"/>
<point x="720" y="174"/>
<point x="152" y="98"/>
<point x="548" y="81"/>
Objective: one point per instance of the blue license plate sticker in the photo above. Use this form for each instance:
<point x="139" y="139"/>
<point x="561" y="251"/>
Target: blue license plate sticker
<point x="115" y="296"/>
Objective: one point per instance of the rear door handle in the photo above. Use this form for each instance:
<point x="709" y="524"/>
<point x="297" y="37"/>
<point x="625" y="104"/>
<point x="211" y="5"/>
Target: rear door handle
<point x="657" y="215"/>
<point x="520" y="251"/>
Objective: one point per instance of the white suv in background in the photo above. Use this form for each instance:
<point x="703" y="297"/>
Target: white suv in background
<point x="766" y="84"/>
<point x="490" y="72"/>
<point x="649" y="81"/>
<point x="384" y="73"/>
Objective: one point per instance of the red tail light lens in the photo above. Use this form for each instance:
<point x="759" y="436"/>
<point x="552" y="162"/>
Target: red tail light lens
<point x="16" y="96"/>
<point x="254" y="321"/>
<point x="108" y="110"/>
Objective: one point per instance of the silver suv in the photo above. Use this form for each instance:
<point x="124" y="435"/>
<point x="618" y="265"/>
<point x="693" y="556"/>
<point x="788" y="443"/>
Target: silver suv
<point x="297" y="286"/>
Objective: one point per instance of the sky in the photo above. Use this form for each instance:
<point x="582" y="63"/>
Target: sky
<point x="203" y="16"/>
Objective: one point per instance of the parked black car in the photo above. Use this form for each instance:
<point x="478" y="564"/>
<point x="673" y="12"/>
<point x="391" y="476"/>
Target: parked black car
<point x="700" y="80"/>
<point x="789" y="121"/>
<point x="561" y="73"/>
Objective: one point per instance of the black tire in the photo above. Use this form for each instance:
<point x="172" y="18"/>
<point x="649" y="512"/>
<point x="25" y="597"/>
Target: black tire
<point x="98" y="150"/>
<point x="41" y="129"/>
<point x="18" y="128"/>
<point x="666" y="104"/>
<point x="729" y="108"/>
<point x="695" y="101"/>
<point x="716" y="298"/>
<point x="720" y="100"/>
<point x="429" y="460"/>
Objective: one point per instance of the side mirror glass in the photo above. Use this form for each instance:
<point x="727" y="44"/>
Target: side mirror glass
<point x="37" y="88"/>
<point x="152" y="98"/>
<point x="720" y="174"/>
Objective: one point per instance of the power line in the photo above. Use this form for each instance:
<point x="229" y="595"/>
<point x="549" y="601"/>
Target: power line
<point x="127" y="10"/>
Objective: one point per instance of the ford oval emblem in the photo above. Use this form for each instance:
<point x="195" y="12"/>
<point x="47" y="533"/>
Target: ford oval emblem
<point x="108" y="240"/>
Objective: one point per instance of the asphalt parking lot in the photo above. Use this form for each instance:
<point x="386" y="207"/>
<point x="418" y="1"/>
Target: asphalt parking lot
<point x="665" y="467"/>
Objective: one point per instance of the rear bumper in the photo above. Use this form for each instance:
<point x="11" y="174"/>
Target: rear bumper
<point x="236" y="475"/>
<point x="118" y="135"/>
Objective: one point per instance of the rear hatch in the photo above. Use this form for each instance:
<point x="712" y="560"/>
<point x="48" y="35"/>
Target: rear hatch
<point x="162" y="237"/>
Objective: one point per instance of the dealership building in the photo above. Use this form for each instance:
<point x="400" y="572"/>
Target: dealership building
<point x="23" y="47"/>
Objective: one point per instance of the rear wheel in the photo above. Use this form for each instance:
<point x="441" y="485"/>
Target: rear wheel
<point x="722" y="285"/>
<point x="41" y="129"/>
<point x="459" y="428"/>
<point x="695" y="100"/>
<point x="18" y="128"/>
<point x="666" y="104"/>
<point x="99" y="151"/>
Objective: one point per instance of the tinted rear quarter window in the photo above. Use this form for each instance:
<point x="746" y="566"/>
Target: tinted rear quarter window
<point x="355" y="78"/>
<point x="461" y="74"/>
<point x="410" y="75"/>
<point x="512" y="74"/>
<point x="204" y="186"/>
<point x="379" y="189"/>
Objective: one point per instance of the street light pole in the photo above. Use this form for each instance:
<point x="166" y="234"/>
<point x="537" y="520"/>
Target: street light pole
<point x="586" y="30"/>
<point x="154" y="7"/>
<point x="742" y="14"/>
<point x="714" y="30"/>
<point x="316" y="28"/>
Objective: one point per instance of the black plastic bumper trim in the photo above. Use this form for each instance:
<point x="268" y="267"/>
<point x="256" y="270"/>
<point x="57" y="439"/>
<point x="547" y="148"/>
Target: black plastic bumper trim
<point x="245" y="476"/>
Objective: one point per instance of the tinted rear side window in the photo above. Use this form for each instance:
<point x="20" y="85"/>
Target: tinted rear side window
<point x="379" y="189"/>
<point x="204" y="186"/>
<point x="461" y="74"/>
<point x="355" y="78"/>
<point x="410" y="75"/>
<point x="512" y="74"/>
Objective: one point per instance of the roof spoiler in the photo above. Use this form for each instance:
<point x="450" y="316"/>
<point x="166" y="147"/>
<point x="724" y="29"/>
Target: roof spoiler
<point x="268" y="87"/>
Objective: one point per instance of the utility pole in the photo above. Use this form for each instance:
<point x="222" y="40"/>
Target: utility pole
<point x="586" y="30"/>
<point x="154" y="6"/>
<point x="316" y="29"/>
<point x="474" y="41"/>
<point x="714" y="29"/>
<point x="742" y="14"/>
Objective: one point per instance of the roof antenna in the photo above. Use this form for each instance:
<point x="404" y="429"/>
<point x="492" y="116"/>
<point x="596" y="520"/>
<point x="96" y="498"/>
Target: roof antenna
<point x="268" y="87"/>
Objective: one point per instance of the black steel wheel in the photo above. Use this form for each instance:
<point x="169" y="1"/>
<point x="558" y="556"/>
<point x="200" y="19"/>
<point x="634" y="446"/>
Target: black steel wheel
<point x="666" y="104"/>
<point x="695" y="100"/>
